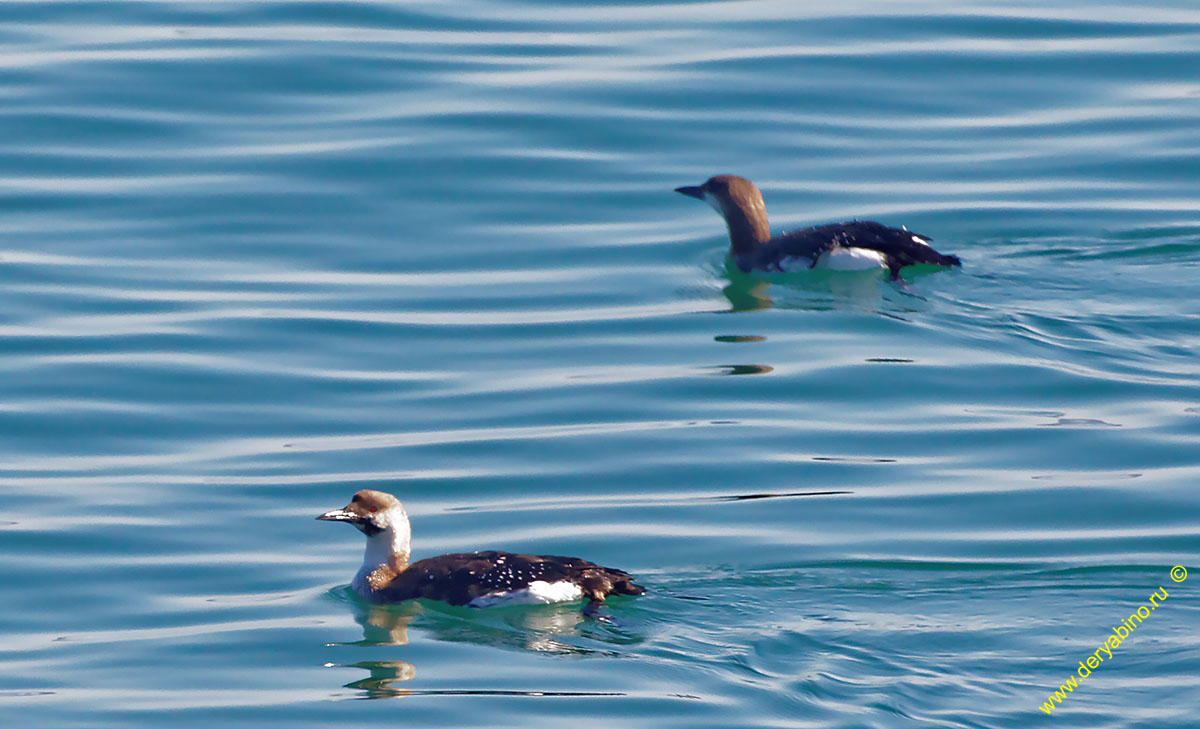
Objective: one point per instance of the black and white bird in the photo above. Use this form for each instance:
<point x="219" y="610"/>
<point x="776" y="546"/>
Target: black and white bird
<point x="475" y="579"/>
<point x="853" y="246"/>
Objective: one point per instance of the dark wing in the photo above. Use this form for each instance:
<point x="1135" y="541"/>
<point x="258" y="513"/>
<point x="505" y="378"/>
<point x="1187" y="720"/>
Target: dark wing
<point x="460" y="578"/>
<point x="902" y="247"/>
<point x="896" y="243"/>
<point x="806" y="243"/>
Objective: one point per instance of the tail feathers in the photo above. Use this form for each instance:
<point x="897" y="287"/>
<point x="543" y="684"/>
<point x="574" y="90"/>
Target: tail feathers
<point x="930" y="256"/>
<point x="626" y="587"/>
<point x="598" y="586"/>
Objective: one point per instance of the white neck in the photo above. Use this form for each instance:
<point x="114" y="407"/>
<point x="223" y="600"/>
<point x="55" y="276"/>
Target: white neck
<point x="389" y="547"/>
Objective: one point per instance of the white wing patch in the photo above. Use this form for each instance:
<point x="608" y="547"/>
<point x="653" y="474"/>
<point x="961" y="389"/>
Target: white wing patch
<point x="922" y="241"/>
<point x="537" y="593"/>
<point x="851" y="259"/>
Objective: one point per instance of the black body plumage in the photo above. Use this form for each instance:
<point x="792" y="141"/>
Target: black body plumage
<point x="460" y="578"/>
<point x="897" y="245"/>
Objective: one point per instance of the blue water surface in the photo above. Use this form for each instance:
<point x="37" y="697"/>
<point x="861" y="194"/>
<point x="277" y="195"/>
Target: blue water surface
<point x="257" y="255"/>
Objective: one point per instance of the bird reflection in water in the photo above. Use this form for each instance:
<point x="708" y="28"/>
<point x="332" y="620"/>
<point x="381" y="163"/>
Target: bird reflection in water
<point x="554" y="629"/>
<point x="817" y="290"/>
<point x="383" y="675"/>
<point x="385" y="624"/>
<point x="746" y="293"/>
<point x="382" y="625"/>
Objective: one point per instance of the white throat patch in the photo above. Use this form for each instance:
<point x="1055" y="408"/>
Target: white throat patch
<point x="382" y="547"/>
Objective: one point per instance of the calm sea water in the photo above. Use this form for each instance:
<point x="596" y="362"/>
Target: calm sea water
<point x="258" y="255"/>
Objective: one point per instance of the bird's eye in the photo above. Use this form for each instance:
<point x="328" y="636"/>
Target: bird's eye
<point x="373" y="510"/>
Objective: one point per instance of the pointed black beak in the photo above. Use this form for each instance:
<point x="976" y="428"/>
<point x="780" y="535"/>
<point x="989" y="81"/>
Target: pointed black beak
<point x="695" y="192"/>
<point x="339" y="515"/>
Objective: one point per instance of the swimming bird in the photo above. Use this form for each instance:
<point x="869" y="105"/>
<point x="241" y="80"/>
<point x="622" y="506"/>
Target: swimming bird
<point x="852" y="246"/>
<point x="475" y="579"/>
